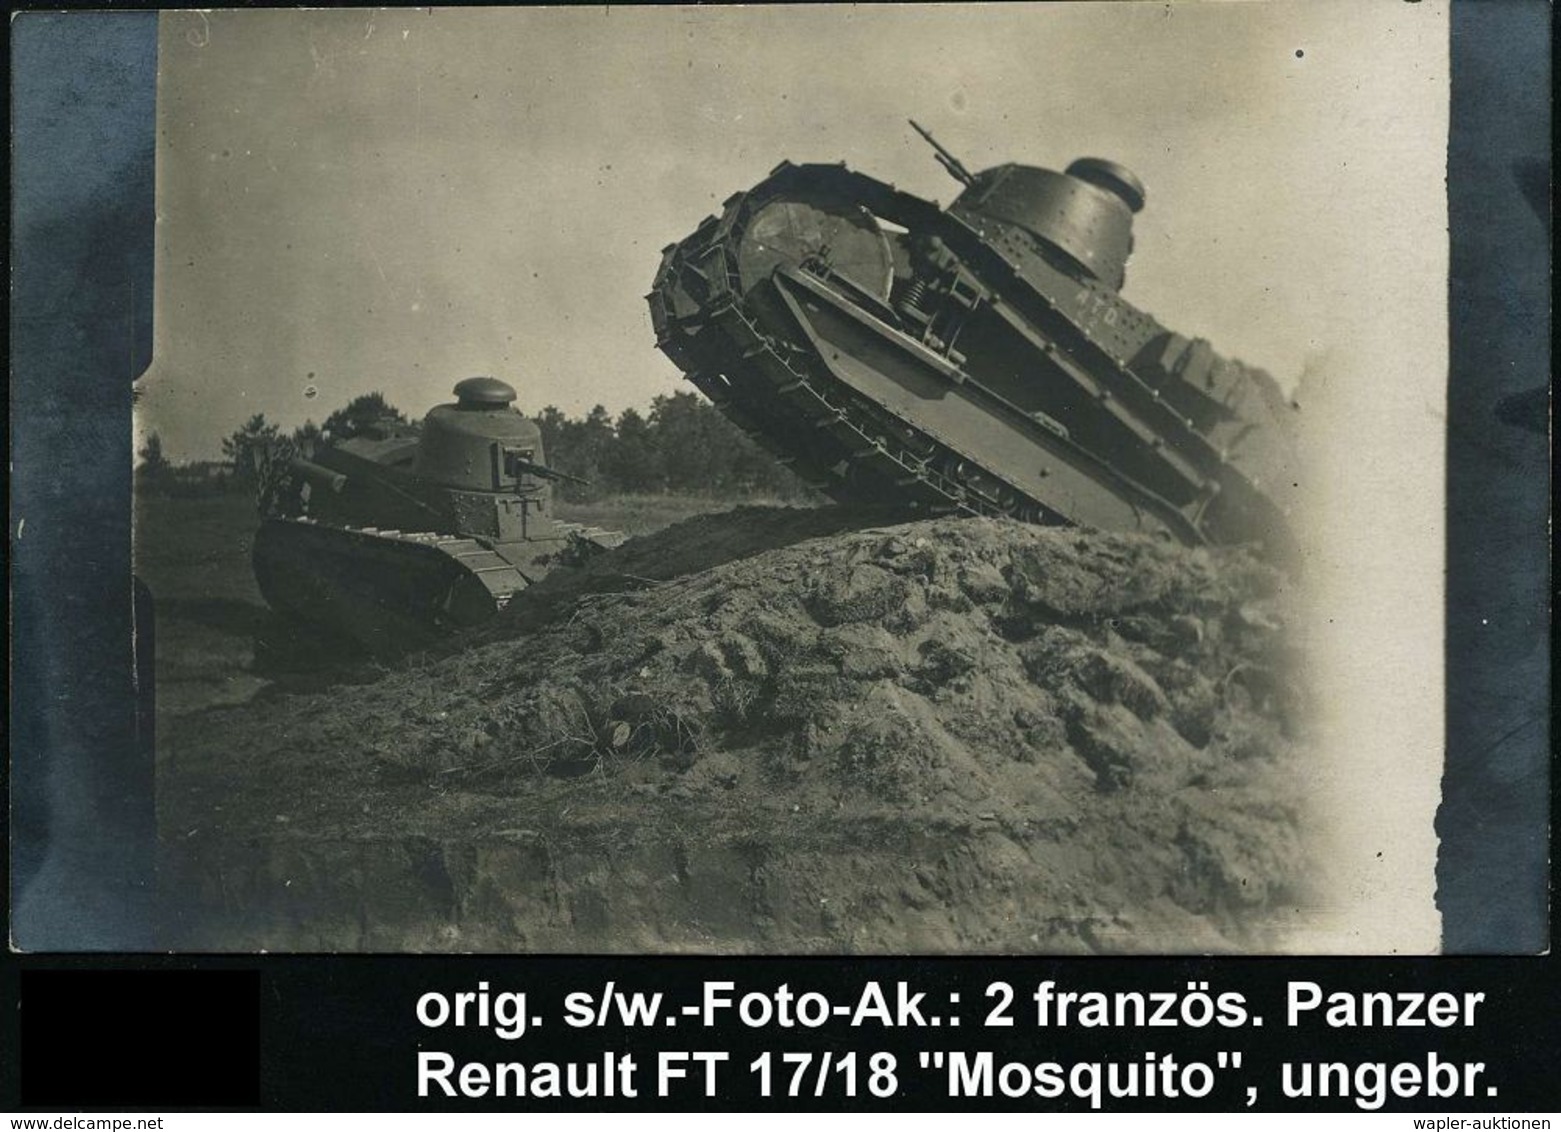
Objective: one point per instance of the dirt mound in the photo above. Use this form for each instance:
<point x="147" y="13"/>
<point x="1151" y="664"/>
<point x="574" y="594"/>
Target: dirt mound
<point x="690" y="547"/>
<point x="942" y="735"/>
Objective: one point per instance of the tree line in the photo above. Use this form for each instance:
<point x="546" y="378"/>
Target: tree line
<point x="682" y="445"/>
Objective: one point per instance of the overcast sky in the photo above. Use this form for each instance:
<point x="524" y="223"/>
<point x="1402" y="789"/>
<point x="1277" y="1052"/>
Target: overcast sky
<point x="357" y="200"/>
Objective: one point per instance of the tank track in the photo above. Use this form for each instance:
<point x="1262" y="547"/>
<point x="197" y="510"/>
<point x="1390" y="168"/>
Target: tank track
<point x="870" y="441"/>
<point x="582" y="543"/>
<point x="858" y="449"/>
<point x="391" y="590"/>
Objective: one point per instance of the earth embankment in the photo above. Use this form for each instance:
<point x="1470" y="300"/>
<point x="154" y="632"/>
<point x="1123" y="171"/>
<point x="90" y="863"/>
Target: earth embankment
<point x="781" y="731"/>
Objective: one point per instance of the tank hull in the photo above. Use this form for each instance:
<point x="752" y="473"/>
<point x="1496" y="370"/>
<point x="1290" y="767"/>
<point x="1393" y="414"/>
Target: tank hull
<point x="391" y="540"/>
<point x="965" y="366"/>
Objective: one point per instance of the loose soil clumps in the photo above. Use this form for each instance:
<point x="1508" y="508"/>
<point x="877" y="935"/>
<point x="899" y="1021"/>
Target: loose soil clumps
<point x="943" y="735"/>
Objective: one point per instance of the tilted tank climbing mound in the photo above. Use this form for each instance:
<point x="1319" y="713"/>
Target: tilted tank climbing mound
<point x="974" y="359"/>
<point x="401" y="535"/>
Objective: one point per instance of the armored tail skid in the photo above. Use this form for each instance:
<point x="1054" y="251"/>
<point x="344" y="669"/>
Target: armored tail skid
<point x="977" y="359"/>
<point x="399" y="536"/>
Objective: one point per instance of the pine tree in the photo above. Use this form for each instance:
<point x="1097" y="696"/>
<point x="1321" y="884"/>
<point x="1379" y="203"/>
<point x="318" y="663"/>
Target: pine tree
<point x="362" y="414"/>
<point x="154" y="466"/>
<point x="246" y="449"/>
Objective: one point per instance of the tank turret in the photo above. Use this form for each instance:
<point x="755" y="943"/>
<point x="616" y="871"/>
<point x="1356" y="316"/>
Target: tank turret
<point x="476" y="443"/>
<point x="1085" y="214"/>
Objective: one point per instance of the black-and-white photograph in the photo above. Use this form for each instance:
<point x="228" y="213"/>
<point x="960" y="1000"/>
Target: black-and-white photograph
<point x="802" y="479"/>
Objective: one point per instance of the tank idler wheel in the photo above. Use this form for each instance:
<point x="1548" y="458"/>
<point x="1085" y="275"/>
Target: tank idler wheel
<point x="1010" y="502"/>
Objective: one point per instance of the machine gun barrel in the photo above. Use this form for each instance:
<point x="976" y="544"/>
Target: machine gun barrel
<point x="519" y="466"/>
<point x="954" y="165"/>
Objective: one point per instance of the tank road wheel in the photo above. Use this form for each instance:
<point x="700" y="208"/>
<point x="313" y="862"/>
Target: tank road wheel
<point x="919" y="446"/>
<point x="952" y="468"/>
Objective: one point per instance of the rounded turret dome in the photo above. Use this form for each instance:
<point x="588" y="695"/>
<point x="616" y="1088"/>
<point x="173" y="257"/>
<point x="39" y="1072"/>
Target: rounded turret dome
<point x="1112" y="177"/>
<point x="484" y="393"/>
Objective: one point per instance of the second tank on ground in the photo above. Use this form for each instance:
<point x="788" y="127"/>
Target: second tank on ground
<point x="402" y="534"/>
